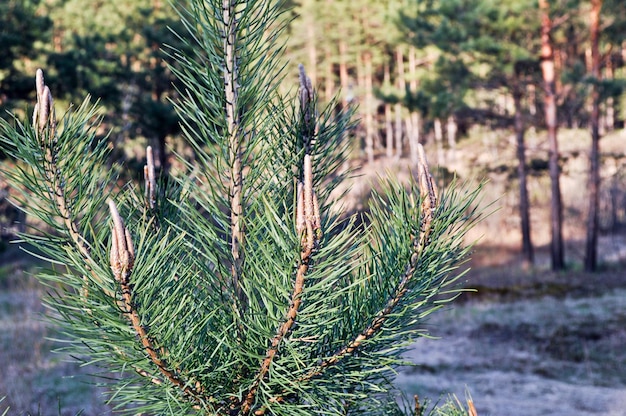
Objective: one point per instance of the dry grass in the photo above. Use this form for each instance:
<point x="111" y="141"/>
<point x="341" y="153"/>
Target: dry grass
<point x="33" y="379"/>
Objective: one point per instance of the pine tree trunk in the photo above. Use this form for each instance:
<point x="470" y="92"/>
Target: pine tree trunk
<point x="591" y="250"/>
<point x="329" y="53"/>
<point x="397" y="109"/>
<point x="524" y="202"/>
<point x="398" y="106"/>
<point x="451" y="129"/>
<point x="388" y="115"/>
<point x="369" y="104"/>
<point x="439" y="141"/>
<point x="414" y="134"/>
<point x="158" y="89"/>
<point x="531" y="94"/>
<point x="414" y="138"/>
<point x="311" y="43"/>
<point x="549" y="81"/>
<point x="389" y="131"/>
<point x="610" y="102"/>
<point x="329" y="84"/>
<point x="532" y="100"/>
<point x="343" y="69"/>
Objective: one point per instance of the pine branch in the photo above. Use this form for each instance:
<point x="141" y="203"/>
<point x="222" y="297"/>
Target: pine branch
<point x="122" y="260"/>
<point x="308" y="226"/>
<point x="429" y="204"/>
<point x="231" y="85"/>
<point x="429" y="198"/>
<point x="45" y="126"/>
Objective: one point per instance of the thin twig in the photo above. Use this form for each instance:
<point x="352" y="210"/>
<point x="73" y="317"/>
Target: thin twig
<point x="308" y="226"/>
<point x="45" y="125"/>
<point x="122" y="258"/>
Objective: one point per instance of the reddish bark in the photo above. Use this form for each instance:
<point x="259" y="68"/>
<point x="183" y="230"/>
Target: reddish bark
<point x="549" y="82"/>
<point x="591" y="251"/>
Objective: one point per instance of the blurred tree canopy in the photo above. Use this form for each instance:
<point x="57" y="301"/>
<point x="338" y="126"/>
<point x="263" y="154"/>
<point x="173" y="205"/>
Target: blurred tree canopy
<point x="22" y="33"/>
<point x="461" y="59"/>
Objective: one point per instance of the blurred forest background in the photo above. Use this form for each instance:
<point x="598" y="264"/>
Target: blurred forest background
<point x="529" y="94"/>
<point x="465" y="77"/>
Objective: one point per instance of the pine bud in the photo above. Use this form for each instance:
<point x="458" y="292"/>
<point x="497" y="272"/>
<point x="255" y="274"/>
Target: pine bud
<point x="114" y="257"/>
<point x="130" y="248"/>
<point x="150" y="177"/>
<point x="428" y="189"/>
<point x="300" y="218"/>
<point x="43" y="114"/>
<point x="428" y="193"/>
<point x="306" y="89"/>
<point x="122" y="256"/>
<point x="317" y="220"/>
<point x="307" y="107"/>
<point x="44" y="109"/>
<point x="39" y="84"/>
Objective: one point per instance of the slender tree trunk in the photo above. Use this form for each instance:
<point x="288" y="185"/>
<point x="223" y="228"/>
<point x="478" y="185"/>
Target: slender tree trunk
<point x="311" y="43"/>
<point x="343" y="69"/>
<point x="591" y="251"/>
<point x="388" y="131"/>
<point x="329" y="82"/>
<point x="414" y="139"/>
<point x="451" y="130"/>
<point x="549" y="79"/>
<point x="524" y="202"/>
<point x="329" y="53"/>
<point x="388" y="116"/>
<point x="610" y="102"/>
<point x="398" y="107"/>
<point x="439" y="141"/>
<point x="158" y="89"/>
<point x="532" y="100"/>
<point x="414" y="135"/>
<point x="369" y="104"/>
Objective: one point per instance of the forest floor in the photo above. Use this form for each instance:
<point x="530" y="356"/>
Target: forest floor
<point x="33" y="379"/>
<point x="527" y="342"/>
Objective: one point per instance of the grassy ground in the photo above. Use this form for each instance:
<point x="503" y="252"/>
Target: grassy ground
<point x="33" y="379"/>
<point x="548" y="353"/>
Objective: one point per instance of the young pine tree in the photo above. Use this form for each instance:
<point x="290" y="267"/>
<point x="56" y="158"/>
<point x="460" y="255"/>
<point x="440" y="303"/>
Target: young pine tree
<point x="233" y="288"/>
